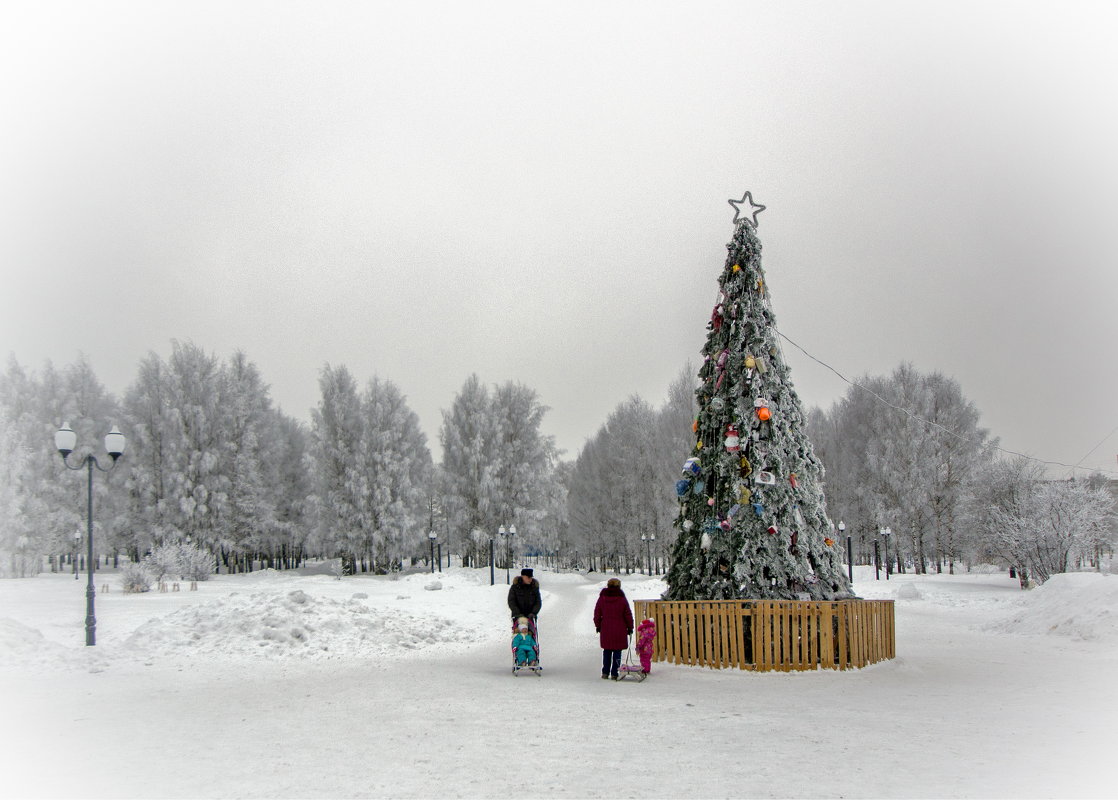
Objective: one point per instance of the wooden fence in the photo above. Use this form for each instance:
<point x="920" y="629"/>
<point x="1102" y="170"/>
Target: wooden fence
<point x="765" y="635"/>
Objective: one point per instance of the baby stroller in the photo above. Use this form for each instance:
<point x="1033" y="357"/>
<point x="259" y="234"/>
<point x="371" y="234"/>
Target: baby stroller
<point x="529" y="662"/>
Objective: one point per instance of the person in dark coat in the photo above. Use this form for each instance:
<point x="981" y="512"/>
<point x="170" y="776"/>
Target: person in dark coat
<point x="524" y="597"/>
<point x="613" y="620"/>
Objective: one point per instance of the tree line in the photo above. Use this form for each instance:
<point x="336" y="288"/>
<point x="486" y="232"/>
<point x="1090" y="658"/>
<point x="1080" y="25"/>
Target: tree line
<point x="919" y="484"/>
<point x="214" y="466"/>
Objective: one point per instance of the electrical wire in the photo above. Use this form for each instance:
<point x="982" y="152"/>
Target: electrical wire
<point x="942" y="428"/>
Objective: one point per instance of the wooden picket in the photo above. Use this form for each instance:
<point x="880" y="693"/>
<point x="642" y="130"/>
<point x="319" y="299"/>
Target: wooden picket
<point x="768" y="635"/>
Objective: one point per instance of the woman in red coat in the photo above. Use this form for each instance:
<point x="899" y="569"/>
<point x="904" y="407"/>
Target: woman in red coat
<point x="614" y="623"/>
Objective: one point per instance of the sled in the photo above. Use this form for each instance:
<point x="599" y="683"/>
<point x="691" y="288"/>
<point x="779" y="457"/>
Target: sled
<point x="630" y="671"/>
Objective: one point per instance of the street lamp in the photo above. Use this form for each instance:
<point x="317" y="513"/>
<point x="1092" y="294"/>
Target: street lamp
<point x="886" y="532"/>
<point x="65" y="440"/>
<point x="849" y="552"/>
<point x="506" y="533"/>
<point x="648" y="540"/>
<point x="431" y="537"/>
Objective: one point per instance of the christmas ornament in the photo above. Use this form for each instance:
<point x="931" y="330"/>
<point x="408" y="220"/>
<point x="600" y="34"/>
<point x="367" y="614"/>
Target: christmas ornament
<point x="691" y="465"/>
<point x="767" y="478"/>
<point x="705" y="542"/>
<point x="750" y="362"/>
<point x="829" y="542"/>
<point x="792" y="480"/>
<point x="682" y="487"/>
<point x="761" y="366"/>
<point x="700" y="484"/>
<point x="725" y="524"/>
<point x="744" y="495"/>
<point x="764" y="414"/>
<point x="758" y="509"/>
<point x="688" y="524"/>
<point x="736" y="268"/>
<point x="710" y="501"/>
<point x="772" y="530"/>
<point x="733" y="441"/>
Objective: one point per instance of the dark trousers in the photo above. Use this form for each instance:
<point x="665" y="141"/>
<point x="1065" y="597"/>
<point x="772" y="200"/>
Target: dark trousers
<point x="611" y="662"/>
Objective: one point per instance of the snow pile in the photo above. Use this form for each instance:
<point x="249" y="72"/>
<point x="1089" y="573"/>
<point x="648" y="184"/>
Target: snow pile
<point x="1080" y="605"/>
<point x="293" y="624"/>
<point x="908" y="591"/>
<point x="18" y="640"/>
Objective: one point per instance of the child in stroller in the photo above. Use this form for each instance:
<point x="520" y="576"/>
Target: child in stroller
<point x="525" y="646"/>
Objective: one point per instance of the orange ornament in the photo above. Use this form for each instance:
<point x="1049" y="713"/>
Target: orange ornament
<point x="764" y="414"/>
<point x="829" y="542"/>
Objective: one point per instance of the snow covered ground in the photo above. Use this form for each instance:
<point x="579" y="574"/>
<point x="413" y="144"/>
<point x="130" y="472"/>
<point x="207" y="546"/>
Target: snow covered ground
<point x="291" y="685"/>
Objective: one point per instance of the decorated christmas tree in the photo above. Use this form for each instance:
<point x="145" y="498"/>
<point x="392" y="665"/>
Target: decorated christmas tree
<point x="752" y="517"/>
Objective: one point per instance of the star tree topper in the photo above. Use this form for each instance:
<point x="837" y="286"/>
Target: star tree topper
<point x="740" y="212"/>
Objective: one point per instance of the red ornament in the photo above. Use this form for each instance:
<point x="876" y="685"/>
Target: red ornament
<point x="829" y="542"/>
<point x="733" y="440"/>
<point x="792" y="480"/>
<point x="772" y="530"/>
<point x="764" y="414"/>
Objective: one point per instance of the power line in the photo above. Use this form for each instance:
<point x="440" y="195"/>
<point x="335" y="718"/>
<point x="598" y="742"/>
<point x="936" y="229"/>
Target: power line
<point x="1096" y="447"/>
<point x="942" y="428"/>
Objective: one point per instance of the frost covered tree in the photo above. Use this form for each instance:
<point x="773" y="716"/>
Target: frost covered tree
<point x="180" y="472"/>
<point x="293" y="480"/>
<point x="496" y="466"/>
<point x="468" y="437"/>
<point x="903" y="451"/>
<point x="752" y="520"/>
<point x="1039" y="526"/>
<point x="199" y="478"/>
<point x="341" y="480"/>
<point x="15" y="560"/>
<point x="54" y="501"/>
<point x="249" y="422"/>
<point x="399" y="473"/>
<point x="524" y="465"/>
<point x="620" y="484"/>
<point x="152" y="511"/>
<point x="210" y="459"/>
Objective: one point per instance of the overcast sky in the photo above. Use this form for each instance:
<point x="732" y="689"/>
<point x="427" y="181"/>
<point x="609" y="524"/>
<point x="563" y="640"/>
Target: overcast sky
<point x="538" y="192"/>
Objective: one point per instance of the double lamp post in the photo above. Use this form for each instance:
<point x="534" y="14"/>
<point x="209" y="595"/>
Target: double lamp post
<point x="506" y="534"/>
<point x="66" y="440"/>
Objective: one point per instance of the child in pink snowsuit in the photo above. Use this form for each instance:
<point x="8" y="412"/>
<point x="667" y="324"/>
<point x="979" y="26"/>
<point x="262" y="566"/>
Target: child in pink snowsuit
<point x="646" y="634"/>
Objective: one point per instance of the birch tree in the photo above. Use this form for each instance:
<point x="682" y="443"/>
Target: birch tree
<point x="399" y="473"/>
<point x="343" y="527"/>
